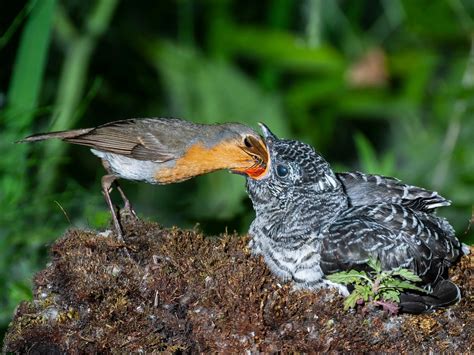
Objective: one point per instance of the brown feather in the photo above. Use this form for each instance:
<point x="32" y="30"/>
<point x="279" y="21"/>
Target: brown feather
<point x="55" y="135"/>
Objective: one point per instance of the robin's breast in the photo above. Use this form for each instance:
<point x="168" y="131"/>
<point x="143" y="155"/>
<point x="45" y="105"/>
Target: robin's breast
<point x="200" y="159"/>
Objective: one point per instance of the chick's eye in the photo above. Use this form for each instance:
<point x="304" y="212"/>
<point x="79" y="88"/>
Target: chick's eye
<point x="247" y="142"/>
<point x="282" y="170"/>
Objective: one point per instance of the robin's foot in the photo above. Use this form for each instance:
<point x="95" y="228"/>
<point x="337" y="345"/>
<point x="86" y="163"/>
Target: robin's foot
<point x="127" y="218"/>
<point x="128" y="209"/>
<point x="127" y="204"/>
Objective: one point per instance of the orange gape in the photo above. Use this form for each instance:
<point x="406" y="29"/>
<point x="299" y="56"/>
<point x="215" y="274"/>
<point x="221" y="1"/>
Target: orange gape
<point x="256" y="172"/>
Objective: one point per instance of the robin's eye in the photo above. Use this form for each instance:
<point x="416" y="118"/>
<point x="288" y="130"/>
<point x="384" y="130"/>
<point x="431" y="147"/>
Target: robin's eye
<point x="247" y="142"/>
<point x="282" y="170"/>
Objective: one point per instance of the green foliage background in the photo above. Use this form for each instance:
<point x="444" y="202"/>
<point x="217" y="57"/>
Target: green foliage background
<point x="298" y="66"/>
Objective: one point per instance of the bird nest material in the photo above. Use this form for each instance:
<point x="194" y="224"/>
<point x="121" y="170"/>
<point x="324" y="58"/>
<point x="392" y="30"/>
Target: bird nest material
<point x="175" y="290"/>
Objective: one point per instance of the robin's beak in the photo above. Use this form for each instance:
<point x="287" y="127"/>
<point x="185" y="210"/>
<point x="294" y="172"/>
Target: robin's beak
<point x="264" y="145"/>
<point x="255" y="148"/>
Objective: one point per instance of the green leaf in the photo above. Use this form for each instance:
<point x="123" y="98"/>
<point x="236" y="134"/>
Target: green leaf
<point x="23" y="93"/>
<point x="375" y="264"/>
<point x="364" y="291"/>
<point x="404" y="285"/>
<point x="27" y="78"/>
<point x="407" y="275"/>
<point x="378" y="285"/>
<point x="390" y="295"/>
<point x="348" y="277"/>
<point x="351" y="300"/>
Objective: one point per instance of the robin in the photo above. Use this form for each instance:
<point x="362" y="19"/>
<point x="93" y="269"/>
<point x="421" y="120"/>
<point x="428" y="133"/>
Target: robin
<point x="311" y="222"/>
<point x="165" y="150"/>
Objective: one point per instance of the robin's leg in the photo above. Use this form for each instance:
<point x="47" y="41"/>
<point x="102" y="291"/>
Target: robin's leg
<point x="128" y="205"/>
<point x="107" y="181"/>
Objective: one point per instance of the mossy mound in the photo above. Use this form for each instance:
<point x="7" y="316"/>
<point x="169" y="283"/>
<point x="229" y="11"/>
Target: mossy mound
<point x="175" y="290"/>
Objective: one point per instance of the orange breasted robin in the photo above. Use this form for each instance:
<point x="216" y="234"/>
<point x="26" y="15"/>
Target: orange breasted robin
<point x="165" y="150"/>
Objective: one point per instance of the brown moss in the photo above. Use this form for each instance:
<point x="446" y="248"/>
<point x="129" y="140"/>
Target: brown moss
<point x="174" y="290"/>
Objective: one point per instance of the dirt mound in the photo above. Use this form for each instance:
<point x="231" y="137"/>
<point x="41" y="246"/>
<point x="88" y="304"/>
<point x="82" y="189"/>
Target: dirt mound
<point x="175" y="290"/>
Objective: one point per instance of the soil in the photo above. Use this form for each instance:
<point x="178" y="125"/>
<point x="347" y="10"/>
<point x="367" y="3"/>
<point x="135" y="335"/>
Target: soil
<point x="179" y="291"/>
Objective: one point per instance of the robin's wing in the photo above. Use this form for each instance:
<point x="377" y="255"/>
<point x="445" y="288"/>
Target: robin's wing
<point x="394" y="234"/>
<point x="159" y="139"/>
<point x="364" y="189"/>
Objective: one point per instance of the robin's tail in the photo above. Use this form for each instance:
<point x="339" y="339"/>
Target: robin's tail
<point x="63" y="135"/>
<point x="443" y="294"/>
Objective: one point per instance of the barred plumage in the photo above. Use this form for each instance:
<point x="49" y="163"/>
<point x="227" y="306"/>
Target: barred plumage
<point x="311" y="222"/>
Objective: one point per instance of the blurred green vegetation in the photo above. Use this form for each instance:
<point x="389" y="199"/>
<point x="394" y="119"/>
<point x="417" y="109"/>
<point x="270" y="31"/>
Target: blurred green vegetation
<point x="379" y="86"/>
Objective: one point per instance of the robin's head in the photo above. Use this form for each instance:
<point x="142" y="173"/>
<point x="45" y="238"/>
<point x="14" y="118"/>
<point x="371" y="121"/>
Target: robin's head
<point x="293" y="168"/>
<point x="245" y="148"/>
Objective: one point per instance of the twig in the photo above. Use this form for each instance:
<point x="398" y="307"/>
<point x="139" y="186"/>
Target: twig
<point x="64" y="212"/>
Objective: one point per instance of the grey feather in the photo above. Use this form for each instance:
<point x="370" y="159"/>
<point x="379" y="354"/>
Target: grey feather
<point x="363" y="189"/>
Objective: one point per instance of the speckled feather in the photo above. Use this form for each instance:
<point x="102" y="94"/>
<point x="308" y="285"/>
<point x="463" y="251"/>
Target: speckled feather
<point x="313" y="222"/>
